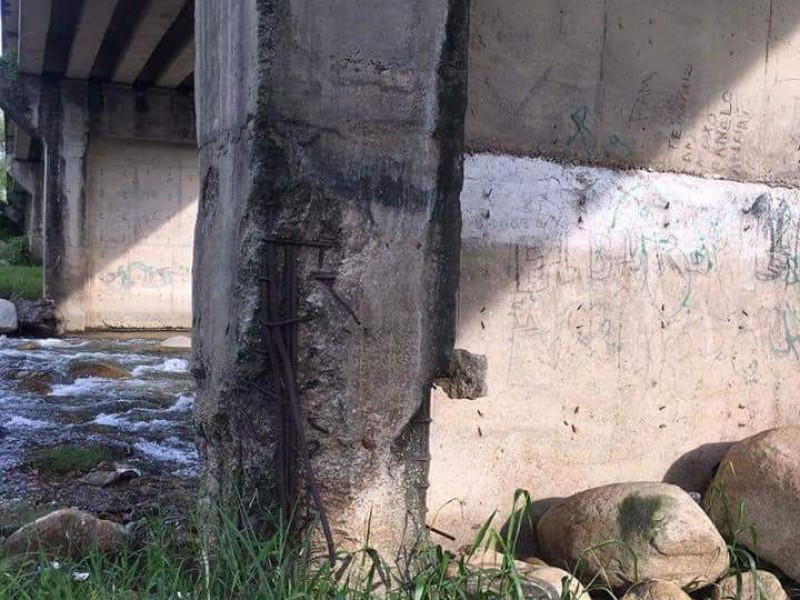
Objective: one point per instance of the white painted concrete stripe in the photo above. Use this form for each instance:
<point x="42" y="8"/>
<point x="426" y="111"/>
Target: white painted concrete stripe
<point x="95" y="17"/>
<point x="180" y="67"/>
<point x="159" y="16"/>
<point x="34" y="23"/>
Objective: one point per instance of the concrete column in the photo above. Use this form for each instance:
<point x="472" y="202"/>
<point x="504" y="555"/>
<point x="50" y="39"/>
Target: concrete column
<point x="327" y="123"/>
<point x="65" y="129"/>
<point x="29" y="175"/>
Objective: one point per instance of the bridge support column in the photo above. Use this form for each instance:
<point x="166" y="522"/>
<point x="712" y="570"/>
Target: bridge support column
<point x="65" y="129"/>
<point x="327" y="250"/>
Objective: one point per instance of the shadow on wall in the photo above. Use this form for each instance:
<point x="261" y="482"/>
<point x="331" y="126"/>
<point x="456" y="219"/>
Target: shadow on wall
<point x="673" y="85"/>
<point x="627" y="317"/>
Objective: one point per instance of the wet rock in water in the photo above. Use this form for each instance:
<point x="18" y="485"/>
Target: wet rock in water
<point x="178" y="342"/>
<point x="37" y="317"/>
<point x="756" y="493"/>
<point x="9" y="322"/>
<point x="464" y="377"/>
<point x="750" y="585"/>
<point x="27" y="346"/>
<point x="656" y="590"/>
<point x="105" y="478"/>
<point x="67" y="534"/>
<point x="35" y="386"/>
<point x="102" y="370"/>
<point x="635" y="531"/>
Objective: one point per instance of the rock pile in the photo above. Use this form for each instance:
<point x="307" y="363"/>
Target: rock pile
<point x="653" y="540"/>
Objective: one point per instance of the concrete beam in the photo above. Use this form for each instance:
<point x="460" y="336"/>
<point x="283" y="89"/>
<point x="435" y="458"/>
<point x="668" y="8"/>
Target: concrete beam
<point x="22" y="144"/>
<point x="34" y="25"/>
<point x="11" y="27"/>
<point x="180" y="67"/>
<point x="151" y="29"/>
<point x="94" y="22"/>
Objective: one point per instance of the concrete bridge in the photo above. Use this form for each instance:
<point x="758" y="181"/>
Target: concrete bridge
<point x="98" y="98"/>
<point x="634" y="322"/>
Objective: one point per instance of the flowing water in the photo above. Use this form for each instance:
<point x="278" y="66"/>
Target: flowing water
<point x="146" y="416"/>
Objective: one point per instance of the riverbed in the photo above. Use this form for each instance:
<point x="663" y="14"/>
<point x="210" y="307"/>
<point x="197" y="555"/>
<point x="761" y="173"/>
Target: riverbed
<point x="143" y="418"/>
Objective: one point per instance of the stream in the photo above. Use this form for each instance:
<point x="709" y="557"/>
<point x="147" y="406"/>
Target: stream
<point x="144" y="418"/>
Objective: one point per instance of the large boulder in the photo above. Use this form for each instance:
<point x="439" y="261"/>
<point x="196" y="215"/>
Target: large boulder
<point x="625" y="533"/>
<point x="655" y="589"/>
<point x="103" y="370"/>
<point x="9" y="322"/>
<point x="750" y="585"/>
<point x="67" y="534"/>
<point x="755" y="497"/>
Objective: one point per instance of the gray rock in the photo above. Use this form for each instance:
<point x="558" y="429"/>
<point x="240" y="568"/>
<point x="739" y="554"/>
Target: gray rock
<point x="9" y="322"/>
<point x="755" y="497"/>
<point x="656" y="590"/>
<point x="755" y="585"/>
<point x="37" y="316"/>
<point x="625" y="533"/>
<point x="67" y="534"/>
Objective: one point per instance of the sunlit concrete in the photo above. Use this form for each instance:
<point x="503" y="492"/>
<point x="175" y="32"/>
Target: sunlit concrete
<point x="180" y="68"/>
<point x="149" y="31"/>
<point x="92" y="27"/>
<point x="35" y="22"/>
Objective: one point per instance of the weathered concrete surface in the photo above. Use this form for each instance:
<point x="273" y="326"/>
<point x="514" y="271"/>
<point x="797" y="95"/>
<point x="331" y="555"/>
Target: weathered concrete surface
<point x="142" y="207"/>
<point x="634" y="324"/>
<point x="707" y="88"/>
<point x="30" y="176"/>
<point x="338" y="121"/>
<point x="154" y="203"/>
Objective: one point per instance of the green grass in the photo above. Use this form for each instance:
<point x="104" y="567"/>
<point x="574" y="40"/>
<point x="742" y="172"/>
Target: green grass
<point x="240" y="564"/>
<point x="21" y="282"/>
<point x="60" y="460"/>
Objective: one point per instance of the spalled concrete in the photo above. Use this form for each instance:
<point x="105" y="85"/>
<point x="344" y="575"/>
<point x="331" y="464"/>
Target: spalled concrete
<point x="355" y="140"/>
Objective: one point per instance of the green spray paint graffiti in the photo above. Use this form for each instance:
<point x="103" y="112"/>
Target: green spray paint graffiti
<point x="140" y="274"/>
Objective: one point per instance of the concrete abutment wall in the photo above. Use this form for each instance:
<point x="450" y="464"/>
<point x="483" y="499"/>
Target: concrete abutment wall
<point x="118" y="191"/>
<point x="634" y="322"/>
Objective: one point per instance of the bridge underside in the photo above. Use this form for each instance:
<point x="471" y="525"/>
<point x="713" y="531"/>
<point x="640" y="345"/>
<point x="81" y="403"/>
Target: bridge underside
<point x="102" y="154"/>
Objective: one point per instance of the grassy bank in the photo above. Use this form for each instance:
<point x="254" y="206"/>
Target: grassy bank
<point x="21" y="282"/>
<point x="19" y="277"/>
<point x="170" y="566"/>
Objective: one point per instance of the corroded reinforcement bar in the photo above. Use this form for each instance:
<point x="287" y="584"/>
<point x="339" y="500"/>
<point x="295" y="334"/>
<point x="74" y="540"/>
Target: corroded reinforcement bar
<point x="282" y="322"/>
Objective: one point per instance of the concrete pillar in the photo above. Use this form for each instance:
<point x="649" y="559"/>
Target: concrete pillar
<point x="65" y="126"/>
<point x="29" y="175"/>
<point x="331" y="140"/>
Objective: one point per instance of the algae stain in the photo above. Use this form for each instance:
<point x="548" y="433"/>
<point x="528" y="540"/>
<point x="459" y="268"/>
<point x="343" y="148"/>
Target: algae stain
<point x="639" y="517"/>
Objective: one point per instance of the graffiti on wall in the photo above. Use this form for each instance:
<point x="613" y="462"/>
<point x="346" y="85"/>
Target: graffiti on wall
<point x="650" y="272"/>
<point x="139" y="274"/>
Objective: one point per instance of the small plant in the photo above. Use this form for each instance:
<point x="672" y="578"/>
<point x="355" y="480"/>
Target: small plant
<point x="64" y="459"/>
